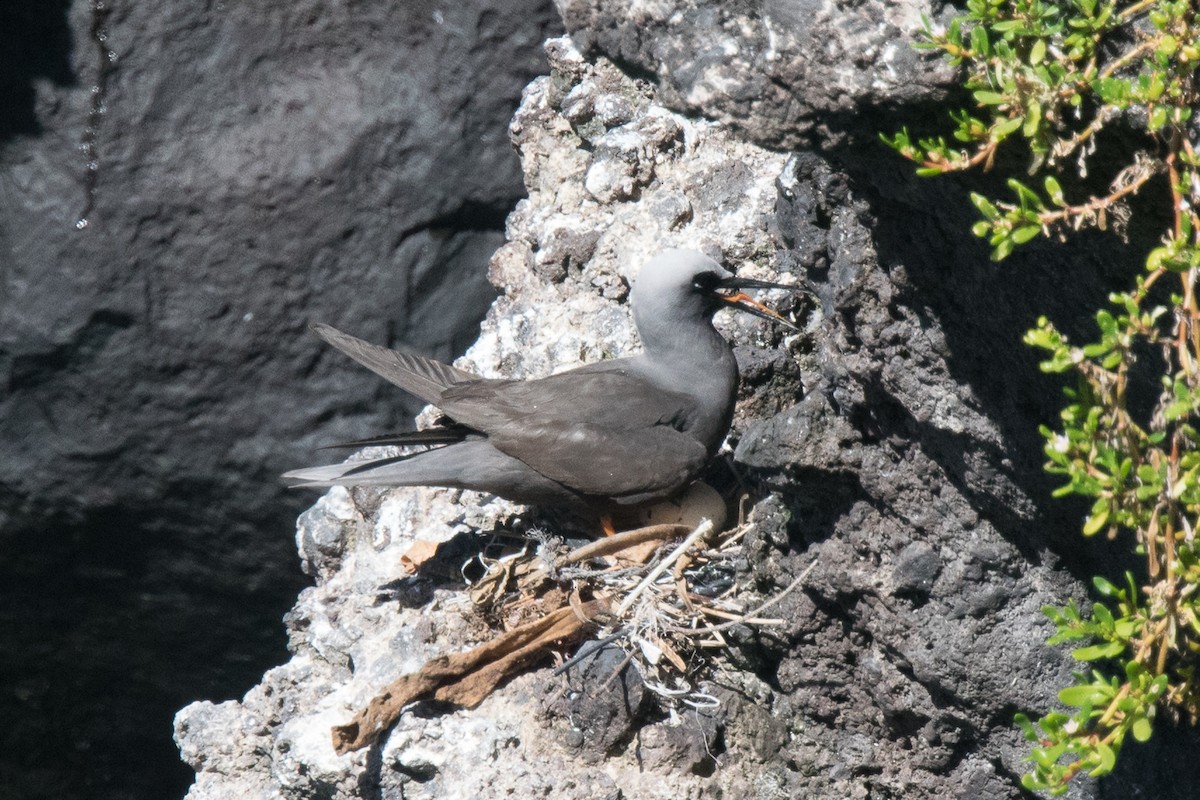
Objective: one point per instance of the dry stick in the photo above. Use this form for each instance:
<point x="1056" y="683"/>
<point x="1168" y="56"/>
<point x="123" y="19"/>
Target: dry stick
<point x="749" y="616"/>
<point x="620" y="668"/>
<point x="619" y="541"/>
<point x="701" y="530"/>
<point x="685" y="561"/>
<point x="464" y="679"/>
<point x="586" y="651"/>
<point x="716" y="612"/>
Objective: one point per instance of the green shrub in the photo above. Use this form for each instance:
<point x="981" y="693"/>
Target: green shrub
<point x="1049" y="77"/>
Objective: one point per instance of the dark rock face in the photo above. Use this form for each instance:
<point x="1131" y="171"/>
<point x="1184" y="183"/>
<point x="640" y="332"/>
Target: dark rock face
<point x="919" y="633"/>
<point x="254" y="168"/>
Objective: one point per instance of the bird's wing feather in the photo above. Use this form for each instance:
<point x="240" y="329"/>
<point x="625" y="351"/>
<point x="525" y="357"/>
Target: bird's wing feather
<point x="421" y="376"/>
<point x="600" y="431"/>
<point x="593" y="460"/>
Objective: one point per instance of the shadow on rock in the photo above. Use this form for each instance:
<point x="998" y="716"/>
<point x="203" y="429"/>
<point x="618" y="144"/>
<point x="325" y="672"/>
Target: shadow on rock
<point x="35" y="44"/>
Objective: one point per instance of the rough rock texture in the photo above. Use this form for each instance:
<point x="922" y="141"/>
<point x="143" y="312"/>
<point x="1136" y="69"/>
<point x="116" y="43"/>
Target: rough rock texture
<point x="896" y="433"/>
<point x="786" y="73"/>
<point x="244" y="169"/>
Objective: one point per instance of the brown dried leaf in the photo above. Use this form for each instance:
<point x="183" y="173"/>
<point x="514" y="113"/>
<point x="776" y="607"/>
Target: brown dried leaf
<point x="417" y="554"/>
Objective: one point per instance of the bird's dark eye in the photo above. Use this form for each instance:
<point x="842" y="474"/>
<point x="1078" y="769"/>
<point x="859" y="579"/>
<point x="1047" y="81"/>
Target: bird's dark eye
<point x="706" y="281"/>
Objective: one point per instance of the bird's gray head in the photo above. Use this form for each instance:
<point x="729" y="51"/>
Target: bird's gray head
<point x="675" y="284"/>
<point x="678" y="287"/>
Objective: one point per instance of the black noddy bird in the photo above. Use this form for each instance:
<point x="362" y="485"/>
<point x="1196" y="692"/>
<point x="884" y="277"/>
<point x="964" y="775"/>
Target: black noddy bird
<point x="621" y="432"/>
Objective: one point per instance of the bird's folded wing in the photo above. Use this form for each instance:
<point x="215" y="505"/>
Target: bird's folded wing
<point x="599" y="432"/>
<point x="421" y="376"/>
<point x="602" y="462"/>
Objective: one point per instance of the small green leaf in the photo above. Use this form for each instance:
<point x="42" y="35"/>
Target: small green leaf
<point x="1095" y="523"/>
<point x="1054" y="191"/>
<point x="1147" y="492"/>
<point x="1025" y="233"/>
<point x="1108" y="759"/>
<point x="1022" y="722"/>
<point x="1134" y="672"/>
<point x="1148" y="474"/>
<point x="1005" y="128"/>
<point x="1114" y="91"/>
<point x="1033" y="118"/>
<point x="979" y="42"/>
<point x="1002" y="250"/>
<point x="1037" y="53"/>
<point x="1093" y="653"/>
<point x="1142" y="729"/>
<point x="1125" y="628"/>
<point x="989" y="98"/>
<point x="1158" y="118"/>
<point x="985" y="206"/>
<point x="1027" y="196"/>
<point x="1047" y="756"/>
<point x="1078" y="696"/>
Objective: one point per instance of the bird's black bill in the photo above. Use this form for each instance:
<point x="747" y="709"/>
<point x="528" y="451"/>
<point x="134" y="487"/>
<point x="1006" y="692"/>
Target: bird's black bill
<point x="751" y="283"/>
<point x="744" y="302"/>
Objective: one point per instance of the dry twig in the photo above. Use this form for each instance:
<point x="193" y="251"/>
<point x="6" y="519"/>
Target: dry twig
<point x="465" y="679"/>
<point x="651" y="606"/>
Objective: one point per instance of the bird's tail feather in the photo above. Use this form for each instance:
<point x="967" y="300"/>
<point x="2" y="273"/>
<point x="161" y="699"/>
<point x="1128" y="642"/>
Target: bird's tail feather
<point x="373" y="472"/>
<point x="455" y="466"/>
<point x="472" y="464"/>
<point x="420" y="376"/>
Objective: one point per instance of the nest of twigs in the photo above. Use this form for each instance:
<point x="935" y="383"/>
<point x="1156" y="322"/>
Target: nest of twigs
<point x="664" y="593"/>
